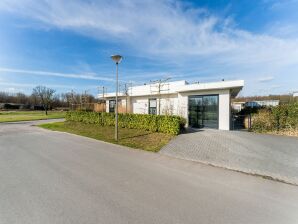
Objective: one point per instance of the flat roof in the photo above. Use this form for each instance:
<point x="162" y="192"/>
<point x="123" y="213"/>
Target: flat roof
<point x="179" y="87"/>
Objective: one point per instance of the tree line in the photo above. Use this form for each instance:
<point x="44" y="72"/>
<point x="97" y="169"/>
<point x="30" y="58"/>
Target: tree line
<point x="47" y="98"/>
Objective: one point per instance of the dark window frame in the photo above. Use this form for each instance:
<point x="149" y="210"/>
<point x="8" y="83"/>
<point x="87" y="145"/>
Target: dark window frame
<point x="150" y="108"/>
<point x="112" y="109"/>
<point x="203" y="108"/>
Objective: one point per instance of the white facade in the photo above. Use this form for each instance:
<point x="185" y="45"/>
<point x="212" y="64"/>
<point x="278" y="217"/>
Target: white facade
<point x="173" y="98"/>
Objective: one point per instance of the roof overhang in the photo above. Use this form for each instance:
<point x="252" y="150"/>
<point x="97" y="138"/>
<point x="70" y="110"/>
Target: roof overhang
<point x="236" y="84"/>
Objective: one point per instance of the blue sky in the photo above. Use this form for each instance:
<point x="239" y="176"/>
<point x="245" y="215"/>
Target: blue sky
<point x="67" y="44"/>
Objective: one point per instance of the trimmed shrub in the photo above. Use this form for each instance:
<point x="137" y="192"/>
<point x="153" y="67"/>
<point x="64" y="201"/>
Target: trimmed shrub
<point x="292" y="120"/>
<point x="154" y="123"/>
<point x="280" y="118"/>
<point x="168" y="124"/>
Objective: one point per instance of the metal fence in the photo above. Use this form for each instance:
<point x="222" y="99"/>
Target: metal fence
<point x="241" y="122"/>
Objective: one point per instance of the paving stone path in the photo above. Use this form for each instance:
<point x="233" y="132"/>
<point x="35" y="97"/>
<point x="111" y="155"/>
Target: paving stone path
<point x="266" y="155"/>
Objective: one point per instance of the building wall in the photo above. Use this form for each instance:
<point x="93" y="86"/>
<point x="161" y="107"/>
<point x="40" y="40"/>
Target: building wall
<point x="168" y="104"/>
<point x="107" y="105"/>
<point x="139" y="105"/>
<point x="177" y="104"/>
<point x="224" y="119"/>
<point x="121" y="105"/>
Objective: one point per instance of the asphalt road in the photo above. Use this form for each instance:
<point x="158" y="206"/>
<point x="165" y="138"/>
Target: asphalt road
<point x="52" y="177"/>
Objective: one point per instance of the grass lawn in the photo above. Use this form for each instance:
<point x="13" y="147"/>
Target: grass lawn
<point x="10" y="116"/>
<point x="134" y="138"/>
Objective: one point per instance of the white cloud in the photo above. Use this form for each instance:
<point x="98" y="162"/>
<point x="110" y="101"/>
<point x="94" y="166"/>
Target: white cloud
<point x="56" y="74"/>
<point x="281" y="4"/>
<point x="12" y="90"/>
<point x="17" y="85"/>
<point x="168" y="31"/>
<point x="160" y="27"/>
<point x="266" y="79"/>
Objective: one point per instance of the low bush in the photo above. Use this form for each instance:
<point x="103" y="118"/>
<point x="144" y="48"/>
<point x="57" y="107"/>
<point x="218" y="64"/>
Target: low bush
<point x="263" y="121"/>
<point x="276" y="119"/>
<point x="154" y="123"/>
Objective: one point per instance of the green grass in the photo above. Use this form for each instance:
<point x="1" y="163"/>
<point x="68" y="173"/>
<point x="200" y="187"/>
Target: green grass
<point x="10" y="116"/>
<point x="133" y="138"/>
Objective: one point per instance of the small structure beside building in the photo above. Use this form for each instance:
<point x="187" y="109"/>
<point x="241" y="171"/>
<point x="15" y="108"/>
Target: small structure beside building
<point x="262" y="103"/>
<point x="201" y="104"/>
<point x="238" y="106"/>
<point x="100" y="106"/>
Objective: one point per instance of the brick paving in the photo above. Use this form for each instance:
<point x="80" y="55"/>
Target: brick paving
<point x="266" y="155"/>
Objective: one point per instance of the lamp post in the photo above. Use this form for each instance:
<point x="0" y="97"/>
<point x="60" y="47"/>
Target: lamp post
<point x="117" y="59"/>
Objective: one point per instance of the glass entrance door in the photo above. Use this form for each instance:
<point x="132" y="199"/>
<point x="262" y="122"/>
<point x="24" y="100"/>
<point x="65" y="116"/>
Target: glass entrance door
<point x="195" y="112"/>
<point x="203" y="111"/>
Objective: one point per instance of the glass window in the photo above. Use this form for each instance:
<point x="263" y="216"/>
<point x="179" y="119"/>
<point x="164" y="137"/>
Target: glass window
<point x="210" y="109"/>
<point x="203" y="111"/>
<point x="152" y="106"/>
<point x="112" y="104"/>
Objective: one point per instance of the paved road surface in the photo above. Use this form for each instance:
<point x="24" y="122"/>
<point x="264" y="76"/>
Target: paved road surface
<point x="51" y="177"/>
<point x="267" y="155"/>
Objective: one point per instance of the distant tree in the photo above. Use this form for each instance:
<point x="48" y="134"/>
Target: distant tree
<point x="284" y="99"/>
<point x="33" y="99"/>
<point x="126" y="94"/>
<point x="44" y="95"/>
<point x="3" y="97"/>
<point x="21" y="98"/>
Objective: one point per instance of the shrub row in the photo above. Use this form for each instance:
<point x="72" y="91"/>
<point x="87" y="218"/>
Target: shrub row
<point x="279" y="118"/>
<point x="155" y="123"/>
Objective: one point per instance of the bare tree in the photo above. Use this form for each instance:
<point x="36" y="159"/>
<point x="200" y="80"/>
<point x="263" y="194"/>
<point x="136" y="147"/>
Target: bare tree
<point x="125" y="90"/>
<point x="157" y="87"/>
<point x="45" y="96"/>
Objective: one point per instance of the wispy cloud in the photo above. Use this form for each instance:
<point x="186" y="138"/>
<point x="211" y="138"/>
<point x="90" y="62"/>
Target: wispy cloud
<point x="266" y="79"/>
<point x="284" y="3"/>
<point x="56" y="74"/>
<point x="32" y="85"/>
<point x="171" y="32"/>
<point x="160" y="27"/>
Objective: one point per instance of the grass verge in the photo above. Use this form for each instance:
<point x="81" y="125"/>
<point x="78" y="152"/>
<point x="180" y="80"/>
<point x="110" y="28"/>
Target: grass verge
<point x="133" y="138"/>
<point x="11" y="116"/>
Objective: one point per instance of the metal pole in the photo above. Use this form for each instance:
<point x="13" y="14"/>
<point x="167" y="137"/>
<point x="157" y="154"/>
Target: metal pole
<point x="116" y="112"/>
<point x="159" y="96"/>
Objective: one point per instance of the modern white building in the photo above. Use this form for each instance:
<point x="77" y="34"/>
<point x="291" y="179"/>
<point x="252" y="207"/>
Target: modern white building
<point x="202" y="104"/>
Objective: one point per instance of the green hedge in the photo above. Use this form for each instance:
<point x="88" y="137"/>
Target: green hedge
<point x="155" y="123"/>
<point x="277" y="118"/>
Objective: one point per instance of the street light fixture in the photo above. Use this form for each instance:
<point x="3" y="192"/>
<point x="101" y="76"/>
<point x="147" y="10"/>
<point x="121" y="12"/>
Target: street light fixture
<point x="117" y="59"/>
